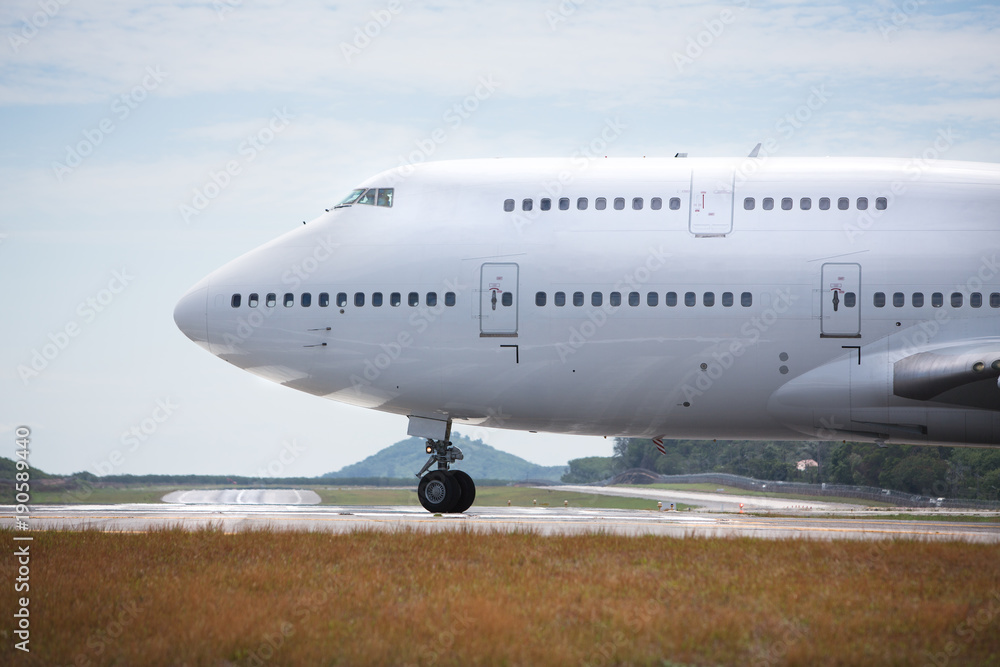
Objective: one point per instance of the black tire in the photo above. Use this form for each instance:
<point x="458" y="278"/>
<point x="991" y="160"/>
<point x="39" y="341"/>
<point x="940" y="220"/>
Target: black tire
<point x="439" y="492"/>
<point x="468" y="490"/>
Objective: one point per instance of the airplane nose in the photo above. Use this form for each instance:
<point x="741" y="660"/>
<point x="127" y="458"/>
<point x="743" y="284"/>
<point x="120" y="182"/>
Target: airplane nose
<point x="191" y="315"/>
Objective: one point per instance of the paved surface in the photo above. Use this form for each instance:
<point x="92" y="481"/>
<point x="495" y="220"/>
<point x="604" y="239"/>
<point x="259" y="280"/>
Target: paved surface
<point x="142" y="517"/>
<point x="244" y="497"/>
<point x="721" y="502"/>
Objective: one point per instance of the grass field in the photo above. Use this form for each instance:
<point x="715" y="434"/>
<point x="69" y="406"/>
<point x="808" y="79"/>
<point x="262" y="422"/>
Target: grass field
<point x="173" y="597"/>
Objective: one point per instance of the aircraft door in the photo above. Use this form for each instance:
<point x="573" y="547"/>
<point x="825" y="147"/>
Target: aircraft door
<point x="840" y="294"/>
<point x="711" y="202"/>
<point x="498" y="300"/>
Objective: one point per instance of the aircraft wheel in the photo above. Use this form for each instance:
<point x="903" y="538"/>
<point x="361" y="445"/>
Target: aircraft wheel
<point x="439" y="492"/>
<point x="468" y="490"/>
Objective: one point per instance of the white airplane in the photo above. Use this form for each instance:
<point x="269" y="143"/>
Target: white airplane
<point x="755" y="298"/>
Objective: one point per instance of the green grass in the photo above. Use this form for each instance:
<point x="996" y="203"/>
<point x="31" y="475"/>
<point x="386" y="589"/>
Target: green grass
<point x="270" y="597"/>
<point x="718" y="488"/>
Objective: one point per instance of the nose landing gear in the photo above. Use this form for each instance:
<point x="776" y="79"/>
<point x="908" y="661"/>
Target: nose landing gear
<point x="445" y="491"/>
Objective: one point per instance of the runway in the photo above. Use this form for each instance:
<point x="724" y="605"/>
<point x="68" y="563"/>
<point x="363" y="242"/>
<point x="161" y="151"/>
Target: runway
<point x="543" y="520"/>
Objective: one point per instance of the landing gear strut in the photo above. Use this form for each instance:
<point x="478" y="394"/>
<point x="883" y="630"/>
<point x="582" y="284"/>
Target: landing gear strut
<point x="444" y="491"/>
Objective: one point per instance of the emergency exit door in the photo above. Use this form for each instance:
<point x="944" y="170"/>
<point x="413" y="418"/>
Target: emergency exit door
<point x="840" y="301"/>
<point x="498" y="300"/>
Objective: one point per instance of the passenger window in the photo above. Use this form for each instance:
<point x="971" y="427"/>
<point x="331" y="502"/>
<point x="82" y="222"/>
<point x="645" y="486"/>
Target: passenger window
<point x="600" y="203"/>
<point x="508" y="205"/>
<point x="767" y="203"/>
<point x="843" y="203"/>
<point x="917" y="300"/>
<point x="727" y="299"/>
<point x="597" y="299"/>
<point x="581" y="204"/>
<point x="690" y="299"/>
<point x="746" y="299"/>
<point x="252" y="300"/>
<point x="359" y="299"/>
<point x="577" y="298"/>
<point x="862" y="203"/>
<point x="306" y="299"/>
<point x="881" y="203"/>
<point x="615" y="299"/>
<point x="526" y="205"/>
<point x="708" y="298"/>
<point x="937" y="299"/>
<point x="272" y="300"/>
<point x="748" y="204"/>
<point x="289" y="300"/>
<point x="670" y="299"/>
<point x="564" y="204"/>
<point x="652" y="299"/>
<point x="824" y="203"/>
<point x="898" y="299"/>
<point x="432" y="299"/>
<point x="368" y="197"/>
<point x="656" y="203"/>
<point x="633" y="298"/>
<point x="619" y="203"/>
<point x="324" y="299"/>
<point x="957" y="299"/>
<point x="377" y="299"/>
<point x="879" y="300"/>
<point x="850" y="299"/>
<point x="559" y="298"/>
<point x="545" y="204"/>
<point x="637" y="203"/>
<point x="395" y="299"/>
<point x="995" y="300"/>
<point x="235" y="301"/>
<point x="976" y="300"/>
<point x="675" y="203"/>
<point x="786" y="204"/>
<point x="413" y="299"/>
<point x="805" y="203"/>
<point x="341" y="299"/>
<point x="539" y="299"/>
<point x="385" y="197"/>
<point x="449" y="299"/>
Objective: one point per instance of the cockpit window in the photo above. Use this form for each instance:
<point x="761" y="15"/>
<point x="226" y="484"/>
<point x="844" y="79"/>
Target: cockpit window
<point x="369" y="196"/>
<point x="351" y="198"/>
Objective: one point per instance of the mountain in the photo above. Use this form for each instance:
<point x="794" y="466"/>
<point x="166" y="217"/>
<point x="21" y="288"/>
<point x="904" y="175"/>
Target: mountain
<point x="406" y="457"/>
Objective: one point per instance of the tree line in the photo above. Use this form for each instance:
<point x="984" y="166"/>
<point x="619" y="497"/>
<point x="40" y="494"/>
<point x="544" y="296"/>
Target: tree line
<point x="952" y="472"/>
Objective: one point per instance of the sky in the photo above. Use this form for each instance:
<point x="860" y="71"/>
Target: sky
<point x="144" y="144"/>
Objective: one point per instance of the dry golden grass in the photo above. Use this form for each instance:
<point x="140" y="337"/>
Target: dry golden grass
<point x="173" y="597"/>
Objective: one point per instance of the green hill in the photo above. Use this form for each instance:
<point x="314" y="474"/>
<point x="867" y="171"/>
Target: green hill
<point x="404" y="459"/>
